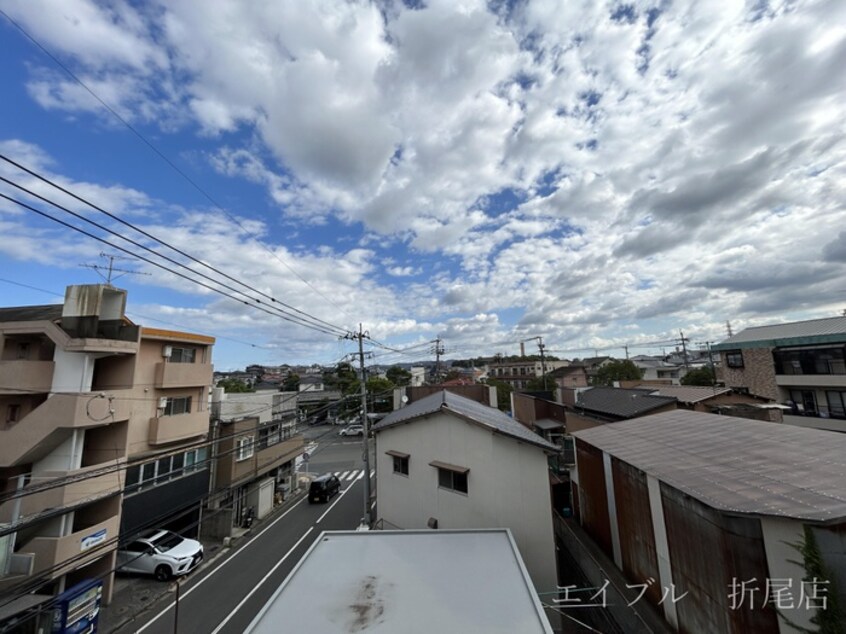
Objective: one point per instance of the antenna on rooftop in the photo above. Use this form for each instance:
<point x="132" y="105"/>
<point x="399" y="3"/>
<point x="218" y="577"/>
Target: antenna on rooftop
<point x="111" y="270"/>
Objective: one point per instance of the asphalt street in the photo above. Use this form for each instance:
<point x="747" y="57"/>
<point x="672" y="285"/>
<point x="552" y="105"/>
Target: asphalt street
<point x="224" y="597"/>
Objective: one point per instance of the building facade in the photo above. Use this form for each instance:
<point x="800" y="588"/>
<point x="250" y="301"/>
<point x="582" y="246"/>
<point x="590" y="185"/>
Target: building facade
<point x="99" y="414"/>
<point x="449" y="462"/>
<point x="801" y="365"/>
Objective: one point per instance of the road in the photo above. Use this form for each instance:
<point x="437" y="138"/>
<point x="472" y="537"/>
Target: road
<point x="224" y="598"/>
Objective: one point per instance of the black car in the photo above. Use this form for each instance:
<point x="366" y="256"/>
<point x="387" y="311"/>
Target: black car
<point x="323" y="488"/>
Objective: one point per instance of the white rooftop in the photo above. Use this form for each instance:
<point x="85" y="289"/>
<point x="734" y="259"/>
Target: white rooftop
<point x="407" y="581"/>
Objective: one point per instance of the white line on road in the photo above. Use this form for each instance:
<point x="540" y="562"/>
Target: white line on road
<point x="343" y="475"/>
<point x="360" y="476"/>
<point x="351" y="476"/>
<point x="259" y="584"/>
<point x="333" y="504"/>
<point x="208" y="576"/>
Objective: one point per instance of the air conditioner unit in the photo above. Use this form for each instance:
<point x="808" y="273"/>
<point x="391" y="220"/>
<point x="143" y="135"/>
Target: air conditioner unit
<point x="167" y="351"/>
<point x="163" y="402"/>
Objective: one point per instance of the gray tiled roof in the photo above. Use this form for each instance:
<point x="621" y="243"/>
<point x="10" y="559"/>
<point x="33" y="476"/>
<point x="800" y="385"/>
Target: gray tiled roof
<point x="735" y="464"/>
<point x="49" y="312"/>
<point x="830" y="329"/>
<point x="450" y="402"/>
<point x="621" y="402"/>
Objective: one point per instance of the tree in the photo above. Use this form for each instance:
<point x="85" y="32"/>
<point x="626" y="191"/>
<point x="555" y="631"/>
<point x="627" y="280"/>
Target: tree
<point x="503" y="394"/>
<point x="398" y="376"/>
<point x="617" y="370"/>
<point x="380" y="393"/>
<point x="291" y="383"/>
<point x="538" y="384"/>
<point x="699" y="376"/>
<point x="234" y="386"/>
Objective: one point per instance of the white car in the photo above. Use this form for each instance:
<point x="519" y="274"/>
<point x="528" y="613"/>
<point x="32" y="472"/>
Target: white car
<point x="161" y="553"/>
<point x="352" y="430"/>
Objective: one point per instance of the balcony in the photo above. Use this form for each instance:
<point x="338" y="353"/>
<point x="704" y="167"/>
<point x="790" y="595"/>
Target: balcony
<point x="811" y="380"/>
<point x="167" y="429"/>
<point x="89" y="488"/>
<point x="59" y="413"/>
<point x="26" y="376"/>
<point x="78" y="548"/>
<point x="267" y="458"/>
<point x="174" y="375"/>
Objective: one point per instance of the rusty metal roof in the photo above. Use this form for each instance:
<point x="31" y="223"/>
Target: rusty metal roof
<point x="688" y="393"/>
<point x="734" y="464"/>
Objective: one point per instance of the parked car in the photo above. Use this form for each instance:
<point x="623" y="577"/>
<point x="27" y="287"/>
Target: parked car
<point x="352" y="430"/>
<point x="161" y="553"/>
<point x="323" y="488"/>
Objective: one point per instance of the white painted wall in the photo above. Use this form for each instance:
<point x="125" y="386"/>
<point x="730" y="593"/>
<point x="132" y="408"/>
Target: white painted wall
<point x="66" y="457"/>
<point x="778" y="534"/>
<point x="74" y="371"/>
<point x="662" y="549"/>
<point x="238" y="405"/>
<point x="508" y="486"/>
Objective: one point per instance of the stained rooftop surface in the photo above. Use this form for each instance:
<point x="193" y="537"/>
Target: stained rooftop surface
<point x="735" y="464"/>
<point x="468" y="581"/>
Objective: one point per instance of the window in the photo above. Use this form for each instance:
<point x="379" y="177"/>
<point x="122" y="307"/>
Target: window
<point x="133" y="475"/>
<point x="836" y="403"/>
<point x="183" y="355"/>
<point x="400" y="461"/>
<point x="451" y="477"/>
<point x="177" y="405"/>
<point x="245" y="448"/>
<point x="13" y="413"/>
<point x="734" y="359"/>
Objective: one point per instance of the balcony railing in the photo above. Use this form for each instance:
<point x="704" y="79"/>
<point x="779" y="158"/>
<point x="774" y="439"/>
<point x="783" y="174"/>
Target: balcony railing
<point x="80" y="486"/>
<point x="165" y="429"/>
<point x="819" y="411"/>
<point x="26" y="376"/>
<point x="174" y="375"/>
<point x="77" y="549"/>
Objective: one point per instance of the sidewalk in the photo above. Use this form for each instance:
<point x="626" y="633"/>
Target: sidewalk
<point x="134" y="595"/>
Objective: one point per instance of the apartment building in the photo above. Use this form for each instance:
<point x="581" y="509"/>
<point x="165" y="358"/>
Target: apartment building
<point x="801" y="365"/>
<point x="101" y="419"/>
<point x="518" y="373"/>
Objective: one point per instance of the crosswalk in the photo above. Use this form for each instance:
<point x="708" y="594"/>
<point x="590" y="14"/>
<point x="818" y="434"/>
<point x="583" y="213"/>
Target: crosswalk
<point x="349" y="476"/>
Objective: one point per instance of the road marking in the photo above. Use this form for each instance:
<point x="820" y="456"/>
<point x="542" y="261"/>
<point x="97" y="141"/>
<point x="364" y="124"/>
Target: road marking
<point x="342" y="475"/>
<point x="259" y="584"/>
<point x="351" y="475"/>
<point x="208" y="576"/>
<point x="345" y="491"/>
<point x="360" y="475"/>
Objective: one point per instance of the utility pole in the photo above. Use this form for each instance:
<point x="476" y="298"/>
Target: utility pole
<point x="626" y="348"/>
<point x="543" y="361"/>
<point x="438" y="350"/>
<point x="684" y="341"/>
<point x="728" y="328"/>
<point x="361" y="335"/>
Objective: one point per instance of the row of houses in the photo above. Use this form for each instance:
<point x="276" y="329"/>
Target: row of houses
<point x="108" y="429"/>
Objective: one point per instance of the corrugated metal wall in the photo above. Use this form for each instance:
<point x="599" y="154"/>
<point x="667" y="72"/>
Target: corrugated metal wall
<point x="709" y="550"/>
<point x="634" y="521"/>
<point x="594" y="501"/>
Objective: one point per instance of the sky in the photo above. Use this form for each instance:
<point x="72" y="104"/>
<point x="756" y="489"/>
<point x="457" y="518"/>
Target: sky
<point x="593" y="174"/>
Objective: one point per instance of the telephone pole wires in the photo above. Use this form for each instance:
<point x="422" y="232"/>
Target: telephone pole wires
<point x="361" y="335"/>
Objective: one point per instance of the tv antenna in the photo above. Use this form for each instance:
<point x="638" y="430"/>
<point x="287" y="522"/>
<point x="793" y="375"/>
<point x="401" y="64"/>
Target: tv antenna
<point x="111" y="269"/>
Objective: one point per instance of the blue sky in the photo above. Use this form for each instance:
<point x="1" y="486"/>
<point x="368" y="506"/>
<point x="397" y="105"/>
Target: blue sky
<point x="598" y="174"/>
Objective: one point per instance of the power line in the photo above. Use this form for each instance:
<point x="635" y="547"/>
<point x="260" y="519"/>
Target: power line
<point x="285" y="316"/>
<point x="149" y="236"/>
<point x="164" y="157"/>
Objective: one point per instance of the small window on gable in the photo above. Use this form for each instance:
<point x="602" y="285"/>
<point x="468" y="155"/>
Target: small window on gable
<point x="400" y="461"/>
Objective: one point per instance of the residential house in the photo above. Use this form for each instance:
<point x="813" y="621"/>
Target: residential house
<point x="801" y="365"/>
<point x="600" y="405"/>
<point x="571" y="376"/>
<point x="447" y="461"/>
<point x="256" y="445"/>
<point x="479" y="392"/>
<point x="101" y="417"/>
<point x="716" y="400"/>
<point x="714" y="509"/>
<point x="592" y="365"/>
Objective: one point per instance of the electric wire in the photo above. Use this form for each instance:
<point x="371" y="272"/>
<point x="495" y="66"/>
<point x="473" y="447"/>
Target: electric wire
<point x="172" y="260"/>
<point x="286" y="317"/>
<point x="163" y="156"/>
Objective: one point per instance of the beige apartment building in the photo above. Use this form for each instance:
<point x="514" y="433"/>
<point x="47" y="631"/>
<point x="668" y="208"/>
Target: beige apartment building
<point x="95" y="414"/>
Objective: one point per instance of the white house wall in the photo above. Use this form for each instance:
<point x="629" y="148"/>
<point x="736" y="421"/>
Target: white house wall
<point x="508" y="486"/>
